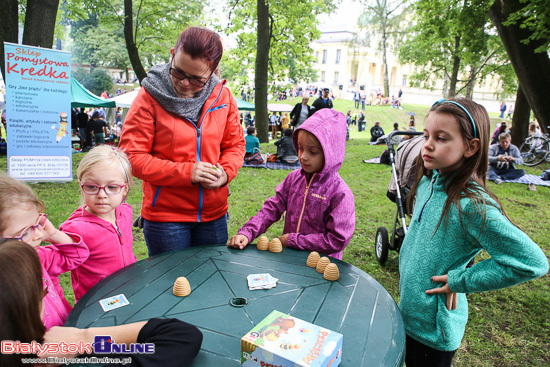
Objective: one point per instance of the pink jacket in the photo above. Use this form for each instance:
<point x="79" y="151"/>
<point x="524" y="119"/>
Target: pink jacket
<point x="110" y="248"/>
<point x="57" y="259"/>
<point x="320" y="215"/>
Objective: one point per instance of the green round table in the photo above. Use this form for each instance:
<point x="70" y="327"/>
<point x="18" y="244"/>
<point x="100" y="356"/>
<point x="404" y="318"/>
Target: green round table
<point x="356" y="305"/>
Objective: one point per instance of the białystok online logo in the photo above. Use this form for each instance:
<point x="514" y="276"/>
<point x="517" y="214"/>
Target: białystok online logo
<point x="102" y="344"/>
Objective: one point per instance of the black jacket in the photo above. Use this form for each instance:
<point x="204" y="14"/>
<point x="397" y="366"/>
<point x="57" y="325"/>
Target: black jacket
<point x="297" y="110"/>
<point x="319" y="104"/>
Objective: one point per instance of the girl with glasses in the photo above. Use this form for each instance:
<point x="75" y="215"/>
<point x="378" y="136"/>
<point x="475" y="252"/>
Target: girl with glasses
<point x="104" y="221"/>
<point x="184" y="140"/>
<point x="22" y="298"/>
<point x="22" y="218"/>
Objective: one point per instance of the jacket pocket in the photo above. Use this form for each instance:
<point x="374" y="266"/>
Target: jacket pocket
<point x="451" y="324"/>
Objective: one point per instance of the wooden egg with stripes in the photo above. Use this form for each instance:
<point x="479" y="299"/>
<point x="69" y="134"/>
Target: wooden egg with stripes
<point x="263" y="243"/>
<point x="275" y="245"/>
<point x="182" y="287"/>
<point x="322" y="264"/>
<point x="313" y="259"/>
<point x="331" y="272"/>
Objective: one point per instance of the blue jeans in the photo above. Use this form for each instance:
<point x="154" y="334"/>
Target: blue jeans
<point x="162" y="237"/>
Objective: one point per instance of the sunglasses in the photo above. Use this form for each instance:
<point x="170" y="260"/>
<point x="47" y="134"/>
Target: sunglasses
<point x="27" y="233"/>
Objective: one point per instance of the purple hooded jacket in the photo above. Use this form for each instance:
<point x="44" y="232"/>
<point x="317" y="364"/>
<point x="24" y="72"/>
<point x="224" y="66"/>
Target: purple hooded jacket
<point x="319" y="217"/>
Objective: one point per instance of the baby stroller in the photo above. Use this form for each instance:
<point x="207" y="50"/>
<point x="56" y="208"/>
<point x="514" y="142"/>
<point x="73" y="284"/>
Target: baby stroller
<point x="403" y="163"/>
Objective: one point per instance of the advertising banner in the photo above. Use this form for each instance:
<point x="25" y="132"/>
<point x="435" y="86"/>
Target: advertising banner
<point x="38" y="111"/>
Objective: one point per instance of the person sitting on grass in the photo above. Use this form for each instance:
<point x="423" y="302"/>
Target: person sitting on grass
<point x="319" y="205"/>
<point x="376" y="131"/>
<point x="502" y="160"/>
<point x="286" y="152"/>
<point x="252" y="142"/>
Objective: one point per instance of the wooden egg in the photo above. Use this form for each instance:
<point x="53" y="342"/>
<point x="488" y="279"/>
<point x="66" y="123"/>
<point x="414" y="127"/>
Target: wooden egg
<point x="182" y="287"/>
<point x="275" y="245"/>
<point x="247" y="346"/>
<point x="313" y="259"/>
<point x="322" y="264"/>
<point x="331" y="272"/>
<point x="263" y="243"/>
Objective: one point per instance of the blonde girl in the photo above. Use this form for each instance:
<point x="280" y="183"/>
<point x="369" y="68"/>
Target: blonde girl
<point x="455" y="217"/>
<point x="535" y="133"/>
<point x="22" y="218"/>
<point x="104" y="221"/>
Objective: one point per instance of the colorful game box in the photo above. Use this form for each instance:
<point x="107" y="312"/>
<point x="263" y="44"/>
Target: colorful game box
<point x="281" y="340"/>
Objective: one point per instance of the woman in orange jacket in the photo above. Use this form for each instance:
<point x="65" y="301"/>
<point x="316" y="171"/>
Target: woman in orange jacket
<point x="184" y="140"/>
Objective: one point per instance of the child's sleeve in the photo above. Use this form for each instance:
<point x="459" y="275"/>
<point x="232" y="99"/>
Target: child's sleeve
<point x="270" y="212"/>
<point x="338" y="229"/>
<point x="515" y="258"/>
<point x="61" y="258"/>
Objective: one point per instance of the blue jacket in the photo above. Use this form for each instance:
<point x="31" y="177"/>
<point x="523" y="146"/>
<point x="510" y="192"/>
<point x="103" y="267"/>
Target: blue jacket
<point x="515" y="258"/>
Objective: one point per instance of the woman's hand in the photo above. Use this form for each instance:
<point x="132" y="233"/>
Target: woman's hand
<point x="451" y="296"/>
<point x="238" y="241"/>
<point x="208" y="175"/>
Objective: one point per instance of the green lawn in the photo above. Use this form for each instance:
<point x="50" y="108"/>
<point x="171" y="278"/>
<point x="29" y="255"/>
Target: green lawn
<point x="506" y="328"/>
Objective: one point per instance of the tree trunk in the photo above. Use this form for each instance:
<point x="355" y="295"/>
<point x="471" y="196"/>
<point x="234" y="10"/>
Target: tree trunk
<point x="262" y="59"/>
<point x="133" y="52"/>
<point x="520" y="119"/>
<point x="471" y="83"/>
<point x="385" y="63"/>
<point x="532" y="69"/>
<point x="8" y="29"/>
<point x="40" y="23"/>
<point x="456" y="67"/>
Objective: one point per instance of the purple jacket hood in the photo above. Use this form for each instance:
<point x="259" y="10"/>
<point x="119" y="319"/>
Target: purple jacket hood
<point x="329" y="127"/>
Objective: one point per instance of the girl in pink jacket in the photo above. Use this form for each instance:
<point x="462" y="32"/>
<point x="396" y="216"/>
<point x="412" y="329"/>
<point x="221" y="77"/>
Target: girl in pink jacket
<point x="319" y="206"/>
<point x="104" y="221"/>
<point x="22" y="218"/>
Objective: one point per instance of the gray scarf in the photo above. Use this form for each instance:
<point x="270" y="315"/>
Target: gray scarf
<point x="159" y="83"/>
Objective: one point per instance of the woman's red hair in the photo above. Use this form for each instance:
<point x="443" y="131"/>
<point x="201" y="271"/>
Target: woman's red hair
<point x="201" y="43"/>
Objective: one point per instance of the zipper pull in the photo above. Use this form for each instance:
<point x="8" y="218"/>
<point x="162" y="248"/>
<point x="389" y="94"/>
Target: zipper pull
<point x="118" y="230"/>
<point x="431" y="182"/>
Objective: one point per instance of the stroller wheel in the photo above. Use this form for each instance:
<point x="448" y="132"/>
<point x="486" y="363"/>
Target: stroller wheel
<point x="381" y="245"/>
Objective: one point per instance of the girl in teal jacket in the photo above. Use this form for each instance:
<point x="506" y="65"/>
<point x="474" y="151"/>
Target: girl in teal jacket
<point x="455" y="217"/>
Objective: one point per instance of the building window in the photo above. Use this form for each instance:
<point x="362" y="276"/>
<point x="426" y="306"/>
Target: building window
<point x="336" y="76"/>
<point x="317" y="56"/>
<point x="323" y="76"/>
<point x="325" y="52"/>
<point x="404" y="84"/>
<point x="338" y="55"/>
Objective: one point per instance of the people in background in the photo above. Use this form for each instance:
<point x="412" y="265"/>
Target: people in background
<point x="285" y="148"/>
<point x="301" y="112"/>
<point x="376" y="131"/>
<point x="503" y="158"/>
<point x="323" y="101"/>
<point x="252" y="142"/>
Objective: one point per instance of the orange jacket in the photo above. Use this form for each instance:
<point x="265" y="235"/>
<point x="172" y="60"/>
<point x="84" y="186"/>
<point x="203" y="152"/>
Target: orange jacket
<point x="163" y="147"/>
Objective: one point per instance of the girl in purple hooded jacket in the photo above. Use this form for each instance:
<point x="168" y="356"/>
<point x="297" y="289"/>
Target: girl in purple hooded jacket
<point x="320" y="207"/>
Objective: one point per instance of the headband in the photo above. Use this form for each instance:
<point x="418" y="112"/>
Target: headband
<point x="443" y="100"/>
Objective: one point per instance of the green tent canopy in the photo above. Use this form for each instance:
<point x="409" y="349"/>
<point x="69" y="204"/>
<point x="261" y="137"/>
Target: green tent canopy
<point x="81" y="97"/>
<point x="244" y="105"/>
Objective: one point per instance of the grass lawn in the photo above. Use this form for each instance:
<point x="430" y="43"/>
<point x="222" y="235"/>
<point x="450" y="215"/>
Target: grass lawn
<point x="507" y="327"/>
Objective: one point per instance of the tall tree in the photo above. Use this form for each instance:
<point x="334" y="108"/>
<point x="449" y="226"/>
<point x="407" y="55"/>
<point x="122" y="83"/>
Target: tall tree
<point x="384" y="16"/>
<point x="453" y="38"/>
<point x="279" y="49"/>
<point x="40" y="22"/>
<point x="8" y="27"/>
<point x="524" y="30"/>
<point x="144" y="29"/>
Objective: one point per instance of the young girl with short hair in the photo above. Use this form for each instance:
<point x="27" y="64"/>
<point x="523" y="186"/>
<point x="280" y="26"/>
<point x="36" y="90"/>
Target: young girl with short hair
<point x="22" y="218"/>
<point x="104" y="221"/>
<point x="455" y="217"/>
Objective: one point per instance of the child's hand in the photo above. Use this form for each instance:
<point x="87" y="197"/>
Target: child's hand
<point x="54" y="235"/>
<point x="283" y="239"/>
<point x="451" y="296"/>
<point x="238" y="241"/>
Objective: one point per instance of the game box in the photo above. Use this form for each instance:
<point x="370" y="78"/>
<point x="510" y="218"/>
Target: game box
<point x="281" y="340"/>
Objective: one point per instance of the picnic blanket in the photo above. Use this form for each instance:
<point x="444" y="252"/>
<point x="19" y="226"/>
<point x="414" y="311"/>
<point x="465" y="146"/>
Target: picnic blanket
<point x="372" y="160"/>
<point x="274" y="165"/>
<point x="529" y="179"/>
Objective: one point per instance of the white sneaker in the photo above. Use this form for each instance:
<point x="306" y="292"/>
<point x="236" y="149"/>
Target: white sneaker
<point x="498" y="181"/>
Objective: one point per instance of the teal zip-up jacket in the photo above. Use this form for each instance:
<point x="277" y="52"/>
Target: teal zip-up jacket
<point x="515" y="258"/>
